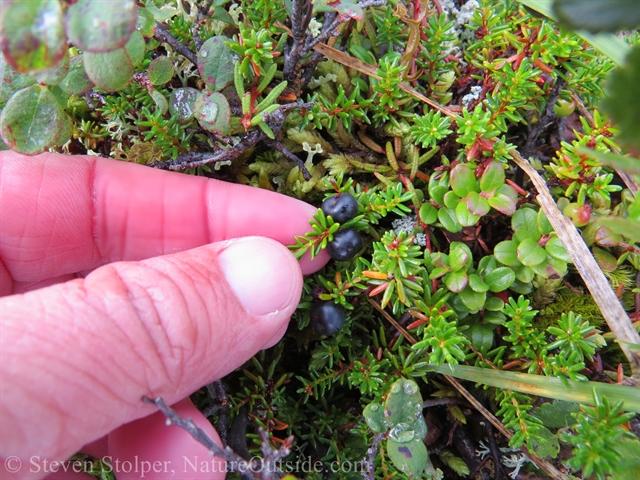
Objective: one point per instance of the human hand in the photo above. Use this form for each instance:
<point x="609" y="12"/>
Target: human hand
<point x="174" y="312"/>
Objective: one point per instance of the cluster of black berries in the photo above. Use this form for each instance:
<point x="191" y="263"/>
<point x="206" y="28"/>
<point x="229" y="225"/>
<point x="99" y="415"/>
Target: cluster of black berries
<point x="346" y="241"/>
<point x="327" y="318"/>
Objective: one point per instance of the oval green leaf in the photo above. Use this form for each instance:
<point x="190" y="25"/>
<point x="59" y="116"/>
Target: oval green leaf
<point x="408" y="457"/>
<point x="182" y="103"/>
<point x="33" y="36"/>
<point x="466" y="218"/>
<point x="477" y="284"/>
<point x="145" y="22"/>
<point x="12" y="81"/>
<point x="456" y="281"/>
<point x="111" y="71"/>
<point x="530" y="253"/>
<point x="136" y="47"/>
<point x="493" y="177"/>
<point x="555" y="248"/>
<point x="463" y="180"/>
<point x="459" y="255"/>
<point x="500" y="279"/>
<point x="213" y="112"/>
<point x="96" y="27"/>
<point x="503" y="202"/>
<point x="477" y="205"/>
<point x="215" y="63"/>
<point x="428" y="214"/>
<point x="33" y="120"/>
<point x="447" y="217"/>
<point x="506" y="253"/>
<point x="76" y="82"/>
<point x="160" y="70"/>
<point x="525" y="225"/>
<point x="474" y="301"/>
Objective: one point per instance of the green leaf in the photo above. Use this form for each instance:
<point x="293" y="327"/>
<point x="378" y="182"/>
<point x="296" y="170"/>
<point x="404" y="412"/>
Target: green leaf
<point x="606" y="261"/>
<point x="524" y="274"/>
<point x="456" y="281"/>
<point x="182" y="103"/>
<point x="494" y="304"/>
<point x="96" y="27"/>
<point x="530" y="253"/>
<point x="525" y="225"/>
<point x="55" y="74"/>
<point x="621" y="101"/>
<point x="500" y="279"/>
<point x="403" y="405"/>
<point x="477" y="205"/>
<point x="160" y="70"/>
<point x="555" y="248"/>
<point x="463" y="180"/>
<point x="620" y="226"/>
<point x="213" y="112"/>
<point x="145" y="22"/>
<point x="551" y="268"/>
<point x="136" y="48"/>
<point x="477" y="284"/>
<point x="447" y="217"/>
<point x="111" y="71"/>
<point x="504" y="200"/>
<point x="481" y="337"/>
<point x="593" y="16"/>
<point x="548" y="445"/>
<point x="33" y="120"/>
<point x="543" y="223"/>
<point x="408" y="457"/>
<point x="161" y="14"/>
<point x="451" y="200"/>
<point x="374" y="416"/>
<point x="428" y="214"/>
<point x="215" y="63"/>
<point x="493" y="177"/>
<point x="437" y="193"/>
<point x="474" y="301"/>
<point x="466" y="218"/>
<point x="347" y="10"/>
<point x="32" y="32"/>
<point x="556" y="414"/>
<point x="459" y="256"/>
<point x="76" y="82"/>
<point x="506" y="253"/>
<point x="160" y="100"/>
<point x="12" y="81"/>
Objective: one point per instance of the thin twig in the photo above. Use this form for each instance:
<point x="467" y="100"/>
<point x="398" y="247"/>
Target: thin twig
<point x="370" y="460"/>
<point x="163" y="35"/>
<point x="290" y="155"/>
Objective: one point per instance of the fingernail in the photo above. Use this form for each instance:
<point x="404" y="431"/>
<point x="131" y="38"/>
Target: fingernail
<point x="262" y="273"/>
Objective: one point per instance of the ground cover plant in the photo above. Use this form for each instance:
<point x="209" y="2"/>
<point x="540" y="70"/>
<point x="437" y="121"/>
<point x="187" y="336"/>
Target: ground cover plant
<point x="474" y="164"/>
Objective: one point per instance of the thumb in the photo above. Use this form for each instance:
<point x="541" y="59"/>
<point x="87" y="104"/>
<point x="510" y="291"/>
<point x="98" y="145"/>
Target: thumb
<point x="76" y="358"/>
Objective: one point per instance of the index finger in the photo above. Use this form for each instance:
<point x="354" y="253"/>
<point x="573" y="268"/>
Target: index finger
<point x="64" y="214"/>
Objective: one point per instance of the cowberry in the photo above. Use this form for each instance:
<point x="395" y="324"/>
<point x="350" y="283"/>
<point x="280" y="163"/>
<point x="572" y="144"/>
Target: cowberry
<point x="342" y="207"/>
<point x="345" y="244"/>
<point x="579" y="215"/>
<point x="327" y="318"/>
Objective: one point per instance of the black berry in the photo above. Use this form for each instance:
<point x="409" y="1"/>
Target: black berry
<point x="345" y="244"/>
<point x="327" y="318"/>
<point x="342" y="207"/>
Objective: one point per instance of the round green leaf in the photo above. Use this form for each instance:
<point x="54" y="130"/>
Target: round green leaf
<point x="524" y="274"/>
<point x="494" y="304"/>
<point x="447" y="217"/>
<point x="451" y="200"/>
<point x="111" y="71"/>
<point x="459" y="255"/>
<point x="500" y="279"/>
<point x="525" y="224"/>
<point x="213" y="112"/>
<point x="506" y="253"/>
<point x="428" y="214"/>
<point x="481" y="337"/>
<point x="555" y="248"/>
<point x="456" y="281"/>
<point x="97" y="27"/>
<point x="474" y="301"/>
<point x="136" y="47"/>
<point x="530" y="253"/>
<point x="523" y="288"/>
<point x="477" y="284"/>
<point x="607" y="262"/>
<point x="374" y="416"/>
<point x="408" y="457"/>
<point x="493" y="177"/>
<point x="76" y="82"/>
<point x="463" y="180"/>
<point x="182" y="103"/>
<point x="145" y="22"/>
<point x="215" y="63"/>
<point x="160" y="70"/>
<point x="33" y="120"/>
<point x="437" y="193"/>
<point x="54" y="75"/>
<point x="466" y="218"/>
<point x="12" y="81"/>
<point x="33" y="36"/>
<point x="477" y="204"/>
<point x="502" y="201"/>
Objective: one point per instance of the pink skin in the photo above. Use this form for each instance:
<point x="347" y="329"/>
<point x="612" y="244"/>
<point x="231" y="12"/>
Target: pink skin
<point x="169" y="305"/>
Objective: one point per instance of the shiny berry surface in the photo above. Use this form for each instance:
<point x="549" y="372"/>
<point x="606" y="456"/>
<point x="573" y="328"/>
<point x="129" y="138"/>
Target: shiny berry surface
<point x="327" y="318"/>
<point x="345" y="244"/>
<point x="342" y="207"/>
